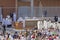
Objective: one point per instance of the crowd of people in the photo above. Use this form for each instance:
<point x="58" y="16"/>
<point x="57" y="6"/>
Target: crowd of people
<point x="35" y="34"/>
<point x="45" y="30"/>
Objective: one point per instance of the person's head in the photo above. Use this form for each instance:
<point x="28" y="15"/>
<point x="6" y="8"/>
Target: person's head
<point x="15" y="32"/>
<point x="57" y="35"/>
<point x="42" y="28"/>
<point x="8" y="35"/>
<point x="22" y="35"/>
<point x="50" y="35"/>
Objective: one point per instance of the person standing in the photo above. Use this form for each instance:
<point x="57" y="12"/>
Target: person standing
<point x="23" y="37"/>
<point x="11" y="15"/>
<point x="9" y="21"/>
<point x="45" y="24"/>
<point x="14" y="17"/>
<point x="4" y="25"/>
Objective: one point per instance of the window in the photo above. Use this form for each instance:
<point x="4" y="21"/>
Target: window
<point x="24" y="11"/>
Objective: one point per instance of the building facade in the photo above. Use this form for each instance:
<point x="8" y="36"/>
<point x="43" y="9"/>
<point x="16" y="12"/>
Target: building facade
<point x="30" y="8"/>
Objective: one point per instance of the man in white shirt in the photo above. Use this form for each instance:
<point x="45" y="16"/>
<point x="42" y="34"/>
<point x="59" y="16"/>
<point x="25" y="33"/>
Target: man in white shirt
<point x="9" y="21"/>
<point x="3" y="21"/>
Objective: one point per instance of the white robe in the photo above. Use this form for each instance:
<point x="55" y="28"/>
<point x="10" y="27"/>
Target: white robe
<point x="58" y="25"/>
<point x="45" y="24"/>
<point x="14" y="17"/>
<point x="38" y="24"/>
<point x="49" y="24"/>
<point x="54" y="25"/>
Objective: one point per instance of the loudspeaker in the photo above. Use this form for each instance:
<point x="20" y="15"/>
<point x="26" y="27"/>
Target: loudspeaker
<point x="55" y="18"/>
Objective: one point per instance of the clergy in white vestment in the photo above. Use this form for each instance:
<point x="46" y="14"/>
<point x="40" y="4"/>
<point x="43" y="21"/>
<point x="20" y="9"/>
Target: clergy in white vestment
<point x="39" y="24"/>
<point x="49" y="24"/>
<point x="45" y="24"/>
<point x="54" y="25"/>
<point x="58" y="25"/>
